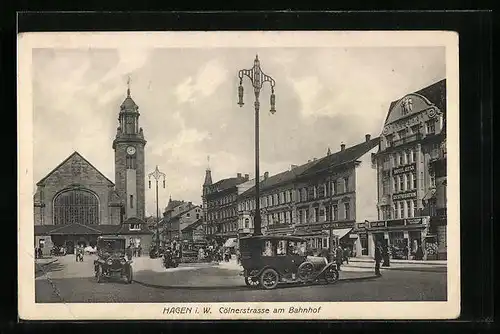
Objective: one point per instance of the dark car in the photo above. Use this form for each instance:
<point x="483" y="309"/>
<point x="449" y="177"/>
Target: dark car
<point x="270" y="260"/>
<point x="111" y="260"/>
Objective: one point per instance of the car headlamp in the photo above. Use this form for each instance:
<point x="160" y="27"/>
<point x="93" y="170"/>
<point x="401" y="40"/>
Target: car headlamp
<point x="109" y="262"/>
<point x="122" y="261"/>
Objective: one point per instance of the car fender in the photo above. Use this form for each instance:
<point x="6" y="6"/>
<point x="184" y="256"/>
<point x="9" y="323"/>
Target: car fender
<point x="329" y="265"/>
<point x="261" y="270"/>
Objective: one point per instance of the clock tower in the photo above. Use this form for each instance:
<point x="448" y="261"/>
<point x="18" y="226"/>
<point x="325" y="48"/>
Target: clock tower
<point x="129" y="160"/>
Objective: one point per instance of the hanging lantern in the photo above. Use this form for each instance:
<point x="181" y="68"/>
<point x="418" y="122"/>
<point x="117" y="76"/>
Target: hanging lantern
<point x="149" y="184"/>
<point x="273" y="103"/>
<point x="163" y="183"/>
<point x="240" y="95"/>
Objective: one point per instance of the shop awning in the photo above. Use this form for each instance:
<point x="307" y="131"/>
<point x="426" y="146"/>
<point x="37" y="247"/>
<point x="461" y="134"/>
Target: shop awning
<point x="231" y="242"/>
<point x="340" y="233"/>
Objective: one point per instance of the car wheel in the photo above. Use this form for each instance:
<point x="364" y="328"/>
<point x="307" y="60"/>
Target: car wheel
<point x="305" y="271"/>
<point x="252" y="281"/>
<point x="331" y="275"/>
<point x="98" y="274"/>
<point x="269" y="279"/>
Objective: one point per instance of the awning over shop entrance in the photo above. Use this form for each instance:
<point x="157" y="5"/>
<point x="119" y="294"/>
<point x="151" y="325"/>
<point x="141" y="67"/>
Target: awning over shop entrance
<point x="340" y="233"/>
<point x="231" y="242"/>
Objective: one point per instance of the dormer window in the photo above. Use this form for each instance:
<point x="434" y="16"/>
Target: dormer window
<point x="135" y="227"/>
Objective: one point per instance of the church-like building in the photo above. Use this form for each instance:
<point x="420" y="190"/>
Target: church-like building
<point x="75" y="203"/>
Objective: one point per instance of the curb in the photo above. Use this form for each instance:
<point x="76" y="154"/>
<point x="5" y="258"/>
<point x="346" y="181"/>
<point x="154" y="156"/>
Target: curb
<point x="39" y="266"/>
<point x="423" y="269"/>
<point x="233" y="287"/>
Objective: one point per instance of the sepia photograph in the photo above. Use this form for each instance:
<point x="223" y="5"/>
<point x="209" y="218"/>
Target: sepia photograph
<point x="238" y="175"/>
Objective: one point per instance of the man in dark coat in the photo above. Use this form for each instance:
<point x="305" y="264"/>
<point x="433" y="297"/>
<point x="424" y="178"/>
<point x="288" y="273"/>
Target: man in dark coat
<point x="378" y="258"/>
<point x="339" y="255"/>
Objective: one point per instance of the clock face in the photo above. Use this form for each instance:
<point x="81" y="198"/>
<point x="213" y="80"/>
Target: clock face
<point x="130" y="150"/>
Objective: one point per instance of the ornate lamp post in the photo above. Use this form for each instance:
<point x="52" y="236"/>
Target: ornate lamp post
<point x="257" y="77"/>
<point x="157" y="175"/>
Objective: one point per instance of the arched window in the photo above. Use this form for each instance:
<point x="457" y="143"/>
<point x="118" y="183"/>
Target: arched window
<point x="76" y="206"/>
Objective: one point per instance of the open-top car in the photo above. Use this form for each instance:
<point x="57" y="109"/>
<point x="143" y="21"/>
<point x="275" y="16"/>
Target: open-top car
<point x="111" y="259"/>
<point x="270" y="260"/>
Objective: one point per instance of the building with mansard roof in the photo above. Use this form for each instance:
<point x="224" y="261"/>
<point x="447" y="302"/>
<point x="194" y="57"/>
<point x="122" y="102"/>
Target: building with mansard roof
<point x="75" y="203"/>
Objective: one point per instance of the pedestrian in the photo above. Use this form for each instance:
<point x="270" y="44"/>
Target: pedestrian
<point x="139" y="251"/>
<point x="378" y="258"/>
<point x="36" y="252"/>
<point x="346" y="254"/>
<point x="338" y="256"/>
<point x="385" y="256"/>
<point x="129" y="252"/>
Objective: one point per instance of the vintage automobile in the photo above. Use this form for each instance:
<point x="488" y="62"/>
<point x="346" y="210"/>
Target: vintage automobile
<point x="270" y="260"/>
<point x="111" y="259"/>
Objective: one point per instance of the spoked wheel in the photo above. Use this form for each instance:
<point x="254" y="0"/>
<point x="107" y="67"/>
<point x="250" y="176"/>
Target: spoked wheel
<point x="331" y="275"/>
<point x="98" y="274"/>
<point x="305" y="271"/>
<point x="269" y="279"/>
<point x="252" y="281"/>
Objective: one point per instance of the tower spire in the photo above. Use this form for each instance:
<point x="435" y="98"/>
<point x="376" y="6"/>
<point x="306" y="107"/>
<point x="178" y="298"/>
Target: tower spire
<point x="208" y="173"/>
<point x="128" y="86"/>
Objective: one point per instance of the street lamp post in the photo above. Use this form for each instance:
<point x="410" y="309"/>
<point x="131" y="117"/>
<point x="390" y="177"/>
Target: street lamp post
<point x="257" y="77"/>
<point x="157" y="175"/>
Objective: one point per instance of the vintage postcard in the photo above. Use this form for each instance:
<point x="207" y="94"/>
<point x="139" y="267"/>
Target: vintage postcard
<point x="238" y="175"/>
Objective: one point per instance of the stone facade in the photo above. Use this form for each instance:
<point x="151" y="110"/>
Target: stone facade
<point x="76" y="173"/>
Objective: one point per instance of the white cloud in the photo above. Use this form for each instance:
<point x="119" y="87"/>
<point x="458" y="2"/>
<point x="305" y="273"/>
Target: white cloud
<point x="209" y="77"/>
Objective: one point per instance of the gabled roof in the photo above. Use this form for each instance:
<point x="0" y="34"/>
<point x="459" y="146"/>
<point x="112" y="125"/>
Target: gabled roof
<point x="193" y="225"/>
<point x="172" y="204"/>
<point x="349" y="154"/>
<point x="66" y="160"/>
<point x="280" y="178"/>
<point x="228" y="183"/>
<point x="435" y="93"/>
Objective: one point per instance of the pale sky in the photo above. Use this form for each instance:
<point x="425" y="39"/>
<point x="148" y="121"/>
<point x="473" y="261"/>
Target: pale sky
<point x="188" y="104"/>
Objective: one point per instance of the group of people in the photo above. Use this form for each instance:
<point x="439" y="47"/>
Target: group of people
<point x="342" y="254"/>
<point x="133" y="251"/>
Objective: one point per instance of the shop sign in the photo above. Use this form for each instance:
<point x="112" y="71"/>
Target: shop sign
<point x="404" y="169"/>
<point x="396" y="222"/>
<point x="377" y="224"/>
<point x="413" y="221"/>
<point x="406" y="195"/>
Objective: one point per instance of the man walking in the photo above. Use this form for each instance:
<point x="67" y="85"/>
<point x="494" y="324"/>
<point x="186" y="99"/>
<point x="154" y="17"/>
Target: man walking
<point x="378" y="258"/>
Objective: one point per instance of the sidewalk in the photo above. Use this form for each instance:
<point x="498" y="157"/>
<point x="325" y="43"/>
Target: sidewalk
<point x="211" y="276"/>
<point x="41" y="263"/>
<point x="409" y="265"/>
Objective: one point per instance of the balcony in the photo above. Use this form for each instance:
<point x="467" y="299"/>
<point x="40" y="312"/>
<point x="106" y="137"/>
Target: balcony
<point x="407" y="139"/>
<point x="277" y="226"/>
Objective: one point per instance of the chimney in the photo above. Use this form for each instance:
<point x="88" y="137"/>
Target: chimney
<point x="238" y="175"/>
<point x="292" y="167"/>
<point x="266" y="175"/>
<point x="247" y="176"/>
<point x="368" y="137"/>
<point x="342" y="146"/>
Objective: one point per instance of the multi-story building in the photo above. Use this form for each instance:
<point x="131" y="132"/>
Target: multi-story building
<point x="277" y="203"/>
<point x="335" y="193"/>
<point x="177" y="216"/>
<point x="323" y="195"/>
<point x="220" y="199"/>
<point x="407" y="167"/>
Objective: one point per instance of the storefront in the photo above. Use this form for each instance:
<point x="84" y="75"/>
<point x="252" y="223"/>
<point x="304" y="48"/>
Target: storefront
<point x="406" y="239"/>
<point x="318" y="236"/>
